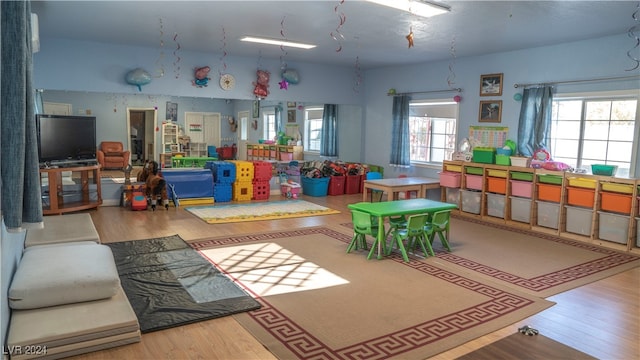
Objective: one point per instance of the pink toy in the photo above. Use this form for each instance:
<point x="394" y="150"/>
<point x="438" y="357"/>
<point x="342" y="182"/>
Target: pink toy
<point x="201" y="77"/>
<point x="261" y="89"/>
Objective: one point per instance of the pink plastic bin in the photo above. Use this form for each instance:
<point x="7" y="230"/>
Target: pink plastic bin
<point x="521" y="188"/>
<point x="450" y="179"/>
<point x="474" y="181"/>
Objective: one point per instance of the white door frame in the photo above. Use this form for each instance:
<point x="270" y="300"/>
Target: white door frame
<point x="156" y="156"/>
<point x="243" y="136"/>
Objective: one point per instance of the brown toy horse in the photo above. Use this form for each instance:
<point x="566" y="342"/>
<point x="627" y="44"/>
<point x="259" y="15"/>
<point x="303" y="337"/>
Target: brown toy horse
<point x="155" y="184"/>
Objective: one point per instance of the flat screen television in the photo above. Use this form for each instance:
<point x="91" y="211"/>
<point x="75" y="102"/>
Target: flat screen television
<point x="66" y="138"/>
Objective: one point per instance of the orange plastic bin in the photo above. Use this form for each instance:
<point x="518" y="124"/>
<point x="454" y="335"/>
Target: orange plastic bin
<point x="548" y="192"/>
<point x="580" y="196"/>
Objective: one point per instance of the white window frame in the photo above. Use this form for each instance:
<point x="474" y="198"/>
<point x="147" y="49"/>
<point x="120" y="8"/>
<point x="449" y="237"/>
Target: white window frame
<point x="269" y="124"/>
<point x="312" y="123"/>
<point x="452" y="137"/>
<point x="596" y="96"/>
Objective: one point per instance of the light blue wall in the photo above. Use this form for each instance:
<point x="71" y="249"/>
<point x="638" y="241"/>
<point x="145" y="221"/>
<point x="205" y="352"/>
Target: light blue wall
<point x="91" y="76"/>
<point x="72" y="65"/>
<point x="11" y="245"/>
<point x="98" y="67"/>
<point x="597" y="58"/>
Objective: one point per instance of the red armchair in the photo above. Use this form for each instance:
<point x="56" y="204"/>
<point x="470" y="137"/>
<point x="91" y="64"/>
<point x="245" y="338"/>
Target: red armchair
<point x="111" y="155"/>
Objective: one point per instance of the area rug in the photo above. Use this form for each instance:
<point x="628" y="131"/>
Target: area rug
<point x="271" y="210"/>
<point x="522" y="347"/>
<point x="318" y="302"/>
<point x="539" y="264"/>
<point x="169" y="284"/>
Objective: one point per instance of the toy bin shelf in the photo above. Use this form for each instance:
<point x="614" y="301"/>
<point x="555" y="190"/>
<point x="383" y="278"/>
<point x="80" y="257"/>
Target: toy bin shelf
<point x="596" y="209"/>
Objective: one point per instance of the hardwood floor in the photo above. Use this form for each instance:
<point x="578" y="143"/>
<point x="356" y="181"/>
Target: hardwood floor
<point x="600" y="319"/>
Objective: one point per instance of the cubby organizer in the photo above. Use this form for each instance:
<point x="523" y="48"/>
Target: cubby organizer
<point x="597" y="209"/>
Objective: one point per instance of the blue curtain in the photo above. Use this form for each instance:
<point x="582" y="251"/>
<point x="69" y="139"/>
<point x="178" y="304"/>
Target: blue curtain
<point x="329" y="138"/>
<point x="278" y="119"/>
<point x="534" y="127"/>
<point x="400" y="132"/>
<point x="21" y="198"/>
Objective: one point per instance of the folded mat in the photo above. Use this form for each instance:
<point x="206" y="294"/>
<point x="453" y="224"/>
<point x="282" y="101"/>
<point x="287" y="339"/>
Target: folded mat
<point x="65" y="330"/>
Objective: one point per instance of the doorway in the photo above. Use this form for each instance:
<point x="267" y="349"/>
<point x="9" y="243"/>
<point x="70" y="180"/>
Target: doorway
<point x="243" y="122"/>
<point x="141" y="125"/>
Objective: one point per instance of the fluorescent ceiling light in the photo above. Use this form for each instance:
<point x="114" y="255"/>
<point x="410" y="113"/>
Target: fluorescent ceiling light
<point x="277" y="42"/>
<point x="417" y="7"/>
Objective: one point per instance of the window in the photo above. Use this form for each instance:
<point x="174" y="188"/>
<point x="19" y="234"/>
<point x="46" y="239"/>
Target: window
<point x="312" y="128"/>
<point x="432" y="130"/>
<point x="594" y="130"/>
<point x="269" y="118"/>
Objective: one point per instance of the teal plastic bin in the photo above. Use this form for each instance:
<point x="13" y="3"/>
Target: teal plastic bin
<point x="315" y="186"/>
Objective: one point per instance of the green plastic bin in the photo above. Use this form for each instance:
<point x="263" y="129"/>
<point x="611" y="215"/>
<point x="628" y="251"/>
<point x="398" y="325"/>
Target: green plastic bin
<point x="473" y="170"/>
<point x="550" y="179"/>
<point x="515" y="175"/>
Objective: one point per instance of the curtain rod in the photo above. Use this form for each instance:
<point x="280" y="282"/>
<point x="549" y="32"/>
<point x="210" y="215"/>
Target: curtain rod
<point x="425" y="92"/>
<point x="579" y="81"/>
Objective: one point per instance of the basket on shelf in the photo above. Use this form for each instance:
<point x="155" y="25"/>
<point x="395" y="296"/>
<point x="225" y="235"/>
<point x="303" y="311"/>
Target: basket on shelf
<point x="600" y="169"/>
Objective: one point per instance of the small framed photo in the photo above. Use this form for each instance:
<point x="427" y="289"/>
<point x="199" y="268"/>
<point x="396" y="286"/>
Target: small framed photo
<point x="491" y="85"/>
<point x="256" y="109"/>
<point x="172" y="111"/>
<point x="291" y="104"/>
<point x="291" y="115"/>
<point x="490" y="111"/>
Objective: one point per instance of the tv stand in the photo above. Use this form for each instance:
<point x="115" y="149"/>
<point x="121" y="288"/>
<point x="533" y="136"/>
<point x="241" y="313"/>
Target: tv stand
<point x="57" y="192"/>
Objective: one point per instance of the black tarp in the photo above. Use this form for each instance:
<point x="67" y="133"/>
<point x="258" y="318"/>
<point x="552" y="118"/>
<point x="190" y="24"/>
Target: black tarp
<point x="170" y="284"/>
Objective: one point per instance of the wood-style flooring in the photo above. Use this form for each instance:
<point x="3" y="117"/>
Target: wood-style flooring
<point x="601" y="319"/>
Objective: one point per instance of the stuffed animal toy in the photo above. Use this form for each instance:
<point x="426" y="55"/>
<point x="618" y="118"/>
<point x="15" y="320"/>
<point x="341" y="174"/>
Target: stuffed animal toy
<point x="261" y="89"/>
<point x="155" y="184"/>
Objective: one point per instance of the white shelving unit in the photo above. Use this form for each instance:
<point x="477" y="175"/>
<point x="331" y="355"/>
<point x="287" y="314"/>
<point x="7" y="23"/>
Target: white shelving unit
<point x="197" y="149"/>
<point x="170" y="138"/>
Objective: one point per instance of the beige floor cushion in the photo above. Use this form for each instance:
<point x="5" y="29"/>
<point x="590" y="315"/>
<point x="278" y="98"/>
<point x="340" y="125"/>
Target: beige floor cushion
<point x="57" y="275"/>
<point x="63" y="229"/>
<point x="72" y="329"/>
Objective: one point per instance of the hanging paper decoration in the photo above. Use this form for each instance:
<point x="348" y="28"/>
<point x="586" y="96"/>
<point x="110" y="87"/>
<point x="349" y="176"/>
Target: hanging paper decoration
<point x="632" y="33"/>
<point x="358" y="76"/>
<point x="284" y="84"/>
<point x="452" y="74"/>
<point x="223" y="66"/>
<point x="176" y="62"/>
<point x="410" y="37"/>
<point x="342" y="18"/>
<point x="261" y="89"/>
<point x="201" y="77"/>
<point x="457" y="98"/>
<point x="160" y="60"/>
<point x="138" y="77"/>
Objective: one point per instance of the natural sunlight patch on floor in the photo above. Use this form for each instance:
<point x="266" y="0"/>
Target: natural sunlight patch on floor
<point x="269" y="269"/>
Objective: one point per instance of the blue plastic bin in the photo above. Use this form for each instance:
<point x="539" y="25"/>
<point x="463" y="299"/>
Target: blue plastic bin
<point x="315" y="186"/>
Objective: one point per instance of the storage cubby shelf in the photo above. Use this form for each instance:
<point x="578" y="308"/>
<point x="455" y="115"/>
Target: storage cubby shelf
<point x="600" y="210"/>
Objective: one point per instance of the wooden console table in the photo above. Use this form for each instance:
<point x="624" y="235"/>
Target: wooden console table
<point x="79" y="194"/>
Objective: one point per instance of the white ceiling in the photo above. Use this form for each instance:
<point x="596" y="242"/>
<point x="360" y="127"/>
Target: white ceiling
<point x="373" y="34"/>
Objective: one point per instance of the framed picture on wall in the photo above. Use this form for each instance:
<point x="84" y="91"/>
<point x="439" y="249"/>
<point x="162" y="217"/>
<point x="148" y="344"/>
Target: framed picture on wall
<point x="291" y="115"/>
<point x="491" y="85"/>
<point x="291" y="104"/>
<point x="172" y="111"/>
<point x="256" y="109"/>
<point x="490" y="111"/>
